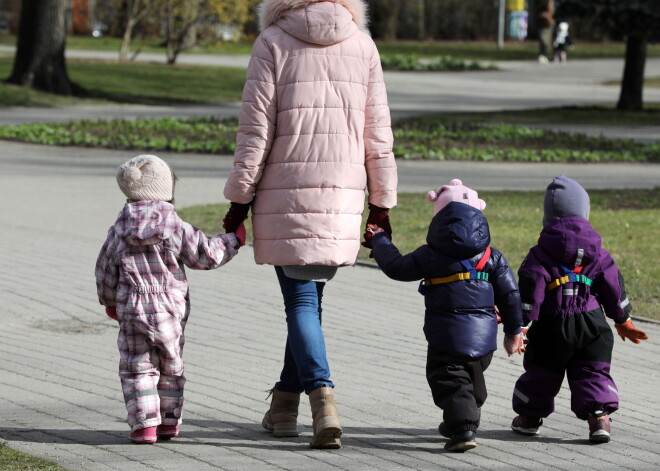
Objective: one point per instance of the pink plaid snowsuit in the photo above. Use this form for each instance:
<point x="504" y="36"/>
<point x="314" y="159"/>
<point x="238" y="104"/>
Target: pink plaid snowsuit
<point x="140" y="270"/>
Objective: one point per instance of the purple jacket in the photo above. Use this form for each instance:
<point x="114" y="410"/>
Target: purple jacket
<point x="140" y="268"/>
<point x="571" y="242"/>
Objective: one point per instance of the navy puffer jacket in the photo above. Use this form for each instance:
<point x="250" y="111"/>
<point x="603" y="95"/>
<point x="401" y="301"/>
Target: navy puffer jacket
<point x="460" y="316"/>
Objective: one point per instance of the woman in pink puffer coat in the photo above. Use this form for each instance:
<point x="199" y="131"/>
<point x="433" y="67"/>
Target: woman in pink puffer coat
<point x="314" y="134"/>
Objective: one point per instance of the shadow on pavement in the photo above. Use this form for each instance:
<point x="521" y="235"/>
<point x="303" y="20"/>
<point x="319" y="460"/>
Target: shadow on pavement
<point x="249" y="435"/>
<point x="506" y="435"/>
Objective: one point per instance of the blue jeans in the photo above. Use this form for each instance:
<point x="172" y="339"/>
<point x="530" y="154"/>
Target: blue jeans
<point x="305" y="363"/>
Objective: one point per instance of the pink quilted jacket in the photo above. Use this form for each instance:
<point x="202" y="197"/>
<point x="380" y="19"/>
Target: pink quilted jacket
<point x="314" y="133"/>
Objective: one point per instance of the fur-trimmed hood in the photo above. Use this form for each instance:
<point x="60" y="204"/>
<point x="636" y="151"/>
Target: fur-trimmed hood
<point x="271" y="10"/>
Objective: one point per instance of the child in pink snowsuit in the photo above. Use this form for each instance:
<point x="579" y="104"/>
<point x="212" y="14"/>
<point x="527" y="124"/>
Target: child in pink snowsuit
<point x="141" y="281"/>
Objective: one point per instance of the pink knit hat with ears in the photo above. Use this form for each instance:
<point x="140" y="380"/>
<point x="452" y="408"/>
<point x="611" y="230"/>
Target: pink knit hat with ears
<point x="455" y="191"/>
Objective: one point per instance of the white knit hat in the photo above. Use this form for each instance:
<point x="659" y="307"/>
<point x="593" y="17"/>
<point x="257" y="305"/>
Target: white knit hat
<point x="146" y="177"/>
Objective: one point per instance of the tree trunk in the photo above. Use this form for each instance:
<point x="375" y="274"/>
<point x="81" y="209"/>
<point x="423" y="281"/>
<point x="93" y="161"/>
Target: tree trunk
<point x="136" y="10"/>
<point x="189" y="40"/>
<point x="126" y="40"/>
<point x="39" y="62"/>
<point x="172" y="51"/>
<point x="170" y="47"/>
<point x="421" y="18"/>
<point x="632" y="86"/>
<point x="181" y="29"/>
<point x="390" y="11"/>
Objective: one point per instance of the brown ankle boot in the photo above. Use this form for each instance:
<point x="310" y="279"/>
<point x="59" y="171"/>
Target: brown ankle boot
<point x="325" y="419"/>
<point x="281" y="417"/>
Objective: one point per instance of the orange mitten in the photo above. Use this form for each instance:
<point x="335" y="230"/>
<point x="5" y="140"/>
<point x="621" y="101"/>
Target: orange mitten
<point x="628" y="331"/>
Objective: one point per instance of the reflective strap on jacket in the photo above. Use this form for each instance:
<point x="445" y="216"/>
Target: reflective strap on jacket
<point x="472" y="274"/>
<point x="570" y="278"/>
<point x="478" y="275"/>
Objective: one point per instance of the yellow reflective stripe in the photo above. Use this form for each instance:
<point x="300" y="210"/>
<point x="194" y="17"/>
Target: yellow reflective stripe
<point x="447" y="279"/>
<point x="557" y="283"/>
<point x="553" y="285"/>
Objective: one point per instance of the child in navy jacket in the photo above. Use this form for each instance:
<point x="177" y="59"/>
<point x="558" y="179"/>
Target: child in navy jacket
<point x="463" y="279"/>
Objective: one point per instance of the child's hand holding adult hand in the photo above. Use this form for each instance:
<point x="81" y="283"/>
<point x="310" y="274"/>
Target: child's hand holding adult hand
<point x="374" y="229"/>
<point x="513" y="343"/>
<point x="378" y="218"/>
<point x="628" y="331"/>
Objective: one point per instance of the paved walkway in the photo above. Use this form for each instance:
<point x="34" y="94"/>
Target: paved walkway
<point x="60" y="394"/>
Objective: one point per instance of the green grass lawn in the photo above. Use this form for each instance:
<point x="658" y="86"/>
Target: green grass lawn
<point x="626" y="219"/>
<point x="158" y="83"/>
<point x="652" y="82"/>
<point x="141" y="83"/>
<point x="11" y="95"/>
<point x="648" y="82"/>
<point x="12" y="460"/>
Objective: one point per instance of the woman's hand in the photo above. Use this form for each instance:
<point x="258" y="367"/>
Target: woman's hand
<point x="235" y="216"/>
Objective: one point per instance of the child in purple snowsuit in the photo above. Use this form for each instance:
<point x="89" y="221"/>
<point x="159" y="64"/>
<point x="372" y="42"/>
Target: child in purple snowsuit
<point x="140" y="278"/>
<point x="566" y="282"/>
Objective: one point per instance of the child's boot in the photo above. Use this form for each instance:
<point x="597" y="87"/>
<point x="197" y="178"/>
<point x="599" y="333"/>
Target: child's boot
<point x="462" y="441"/>
<point x="144" y="435"/>
<point x="599" y="427"/>
<point x="526" y="425"/>
<point x="166" y="432"/>
<point x="283" y="413"/>
<point x="325" y="419"/>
